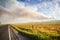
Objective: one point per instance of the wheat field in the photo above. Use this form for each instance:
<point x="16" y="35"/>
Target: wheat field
<point x="40" y="31"/>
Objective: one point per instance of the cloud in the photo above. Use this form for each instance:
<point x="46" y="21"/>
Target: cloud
<point x="34" y="2"/>
<point x="12" y="4"/>
<point x="22" y="15"/>
<point x="12" y="11"/>
<point x="50" y="8"/>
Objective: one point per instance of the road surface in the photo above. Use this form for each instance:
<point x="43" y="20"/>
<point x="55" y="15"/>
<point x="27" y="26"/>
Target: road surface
<point x="9" y="33"/>
<point x="4" y="33"/>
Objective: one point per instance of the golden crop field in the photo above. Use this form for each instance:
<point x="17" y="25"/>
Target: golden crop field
<point x="42" y="31"/>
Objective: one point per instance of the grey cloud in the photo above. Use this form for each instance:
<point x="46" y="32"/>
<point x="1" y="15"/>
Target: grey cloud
<point x="7" y="3"/>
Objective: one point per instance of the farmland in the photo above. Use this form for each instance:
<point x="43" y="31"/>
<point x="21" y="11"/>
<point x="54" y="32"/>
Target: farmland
<point x="39" y="31"/>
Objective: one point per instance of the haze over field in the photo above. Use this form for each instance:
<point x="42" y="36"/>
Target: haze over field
<point x="17" y="11"/>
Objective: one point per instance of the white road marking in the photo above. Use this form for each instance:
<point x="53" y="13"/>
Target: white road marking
<point x="9" y="32"/>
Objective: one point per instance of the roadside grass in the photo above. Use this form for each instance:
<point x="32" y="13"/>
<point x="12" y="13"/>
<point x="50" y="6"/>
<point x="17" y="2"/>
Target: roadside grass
<point x="40" y="31"/>
<point x="2" y="25"/>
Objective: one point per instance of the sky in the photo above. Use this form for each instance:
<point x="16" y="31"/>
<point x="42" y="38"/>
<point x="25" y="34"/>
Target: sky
<point x="30" y="10"/>
<point x="50" y="8"/>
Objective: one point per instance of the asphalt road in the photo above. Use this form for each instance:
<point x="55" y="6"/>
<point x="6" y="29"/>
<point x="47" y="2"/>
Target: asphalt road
<point x="9" y="33"/>
<point x="4" y="33"/>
